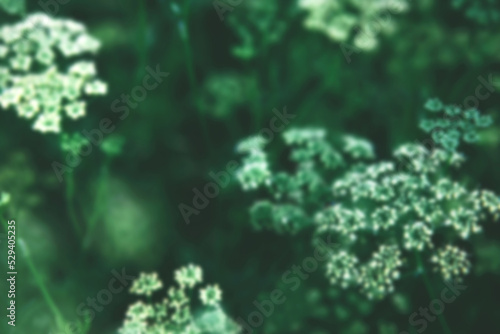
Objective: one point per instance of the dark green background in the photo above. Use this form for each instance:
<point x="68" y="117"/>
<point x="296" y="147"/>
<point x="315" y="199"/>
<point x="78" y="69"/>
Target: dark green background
<point x="172" y="142"/>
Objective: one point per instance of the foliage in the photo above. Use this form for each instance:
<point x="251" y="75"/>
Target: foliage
<point x="223" y="94"/>
<point x="397" y="217"/>
<point x="259" y="25"/>
<point x="13" y="6"/>
<point x="481" y="11"/>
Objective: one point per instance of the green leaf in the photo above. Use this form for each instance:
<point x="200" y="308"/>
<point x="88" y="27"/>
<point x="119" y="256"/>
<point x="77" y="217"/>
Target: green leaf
<point x="13" y="6"/>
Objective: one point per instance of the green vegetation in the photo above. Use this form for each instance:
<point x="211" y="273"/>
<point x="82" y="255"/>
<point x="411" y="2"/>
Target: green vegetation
<point x="140" y="136"/>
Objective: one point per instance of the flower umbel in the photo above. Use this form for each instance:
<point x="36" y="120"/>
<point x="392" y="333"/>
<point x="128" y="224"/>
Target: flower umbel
<point x="174" y="314"/>
<point x="389" y="209"/>
<point x="146" y="284"/>
<point x="31" y="80"/>
<point x="211" y="295"/>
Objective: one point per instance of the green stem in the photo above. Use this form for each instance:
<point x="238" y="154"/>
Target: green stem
<point x="184" y="34"/>
<point x="182" y="26"/>
<point x="430" y="291"/>
<point x="183" y="31"/>
<point x="70" y="190"/>
<point x="98" y="205"/>
<point x="142" y="43"/>
<point x="41" y="285"/>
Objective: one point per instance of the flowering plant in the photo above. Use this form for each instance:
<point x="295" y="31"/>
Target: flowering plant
<point x="387" y="215"/>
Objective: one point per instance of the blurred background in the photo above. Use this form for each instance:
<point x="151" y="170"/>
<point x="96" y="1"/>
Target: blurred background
<point x="230" y="64"/>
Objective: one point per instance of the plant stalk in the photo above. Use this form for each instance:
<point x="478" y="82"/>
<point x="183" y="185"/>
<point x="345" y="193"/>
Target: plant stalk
<point x="430" y="291"/>
<point x="70" y="191"/>
<point x="41" y="285"/>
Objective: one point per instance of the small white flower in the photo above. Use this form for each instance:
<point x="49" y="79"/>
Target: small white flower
<point x="189" y="275"/>
<point x="211" y="295"/>
<point x="83" y="68"/>
<point x="48" y="122"/>
<point x="75" y="110"/>
<point x="96" y="87"/>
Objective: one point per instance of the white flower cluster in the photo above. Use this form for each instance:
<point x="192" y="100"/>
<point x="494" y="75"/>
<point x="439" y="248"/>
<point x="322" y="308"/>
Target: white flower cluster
<point x="418" y="159"/>
<point x="146" y="284"/>
<point x="342" y="269"/>
<point x="417" y="236"/>
<point x="382" y="270"/>
<point x="309" y="143"/>
<point x="342" y="220"/>
<point x="211" y="295"/>
<point x="303" y="135"/>
<point x="451" y="262"/>
<point x="403" y="203"/>
<point x="255" y="169"/>
<point x="488" y="201"/>
<point x="173" y="315"/>
<point x="361" y="19"/>
<point x="189" y="276"/>
<point x="453" y="125"/>
<point x="31" y="81"/>
<point x="358" y="148"/>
